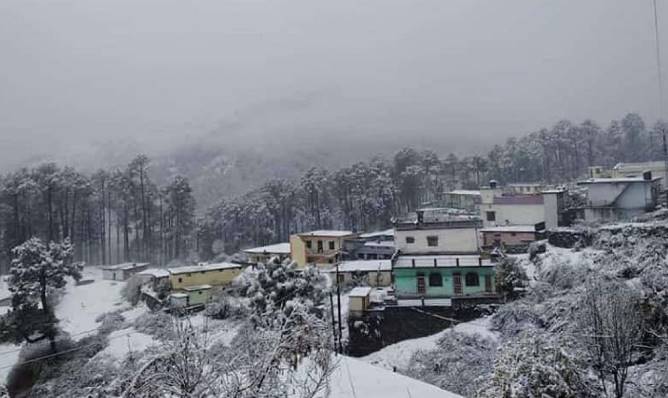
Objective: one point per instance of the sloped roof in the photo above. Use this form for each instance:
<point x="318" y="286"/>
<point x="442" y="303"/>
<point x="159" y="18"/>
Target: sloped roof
<point x="327" y="233"/>
<point x="124" y="266"/>
<point x="279" y="248"/>
<point x="203" y="267"/>
<point x="364" y="266"/>
<point x="442" y="261"/>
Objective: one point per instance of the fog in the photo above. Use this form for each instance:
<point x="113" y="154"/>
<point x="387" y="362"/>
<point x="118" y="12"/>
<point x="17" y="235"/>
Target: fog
<point x="94" y="80"/>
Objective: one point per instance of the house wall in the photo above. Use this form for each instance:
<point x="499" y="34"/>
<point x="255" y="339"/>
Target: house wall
<point x="405" y="281"/>
<point x="552" y="207"/>
<point x="513" y="214"/>
<point x="636" y="196"/>
<point x="302" y="255"/>
<point x="454" y="240"/>
<point x="357" y="304"/>
<point x="508" y="238"/>
<point x="604" y="194"/>
<point x="372" y="278"/>
<point x="213" y="278"/>
<point x="199" y="297"/>
<point x="298" y="250"/>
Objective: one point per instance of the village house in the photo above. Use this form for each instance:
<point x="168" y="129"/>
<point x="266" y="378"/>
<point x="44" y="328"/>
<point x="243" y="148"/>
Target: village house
<point x="154" y="276"/>
<point x="264" y="254"/>
<point x="461" y="199"/>
<point x="502" y="208"/>
<point x="359" y="300"/>
<point x="377" y="245"/>
<point x="620" y="198"/>
<point x="322" y="247"/>
<point x="657" y="168"/>
<point x="510" y="238"/>
<point x="121" y="272"/>
<point x="205" y="274"/>
<point x="190" y="296"/>
<point x="431" y="279"/>
<point x="435" y="231"/>
<point x="376" y="273"/>
<point x="524" y="188"/>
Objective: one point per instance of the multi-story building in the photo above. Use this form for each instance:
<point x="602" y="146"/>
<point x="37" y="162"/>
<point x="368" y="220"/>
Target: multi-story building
<point x="322" y="247"/>
<point x="263" y="254"/>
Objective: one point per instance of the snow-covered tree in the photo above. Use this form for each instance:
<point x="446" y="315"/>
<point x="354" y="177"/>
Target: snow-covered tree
<point x="38" y="270"/>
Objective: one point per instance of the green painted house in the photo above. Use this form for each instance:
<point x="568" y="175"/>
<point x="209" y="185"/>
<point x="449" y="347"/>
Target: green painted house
<point x="434" y="276"/>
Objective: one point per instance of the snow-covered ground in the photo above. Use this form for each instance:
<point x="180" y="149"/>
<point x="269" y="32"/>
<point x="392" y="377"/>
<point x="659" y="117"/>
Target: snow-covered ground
<point x="355" y="378"/>
<point x="125" y="341"/>
<point x="9" y="355"/>
<point x="399" y="354"/>
<point x="82" y="304"/>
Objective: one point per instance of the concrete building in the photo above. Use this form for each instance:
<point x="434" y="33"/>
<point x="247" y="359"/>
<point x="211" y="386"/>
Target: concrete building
<point x="318" y="247"/>
<point x="264" y="254"/>
<point x="433" y="277"/>
<point x="191" y="296"/>
<point x="121" y="272"/>
<point x="431" y="231"/>
<point x="462" y="199"/>
<point x="499" y="208"/>
<point x="359" y="299"/>
<point x="205" y="274"/>
<point x="375" y="273"/>
<point x="524" y="188"/>
<point x="509" y="238"/>
<point x="611" y="199"/>
<point x="657" y="168"/>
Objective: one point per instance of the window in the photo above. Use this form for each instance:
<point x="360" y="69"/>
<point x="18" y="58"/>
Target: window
<point x="435" y="279"/>
<point x="472" y="279"/>
<point x="331" y="245"/>
<point x="308" y="244"/>
<point x="432" y="241"/>
<point x="180" y="280"/>
<point x="410" y="239"/>
<point x="340" y="279"/>
<point x="202" y="272"/>
<point x="200" y="292"/>
<point x="491" y="215"/>
<point x="319" y="246"/>
<point x="513" y="233"/>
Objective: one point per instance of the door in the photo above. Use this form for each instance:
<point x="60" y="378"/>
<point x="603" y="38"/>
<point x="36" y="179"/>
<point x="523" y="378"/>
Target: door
<point x="457" y="283"/>
<point x="488" y="284"/>
<point x="421" y="287"/>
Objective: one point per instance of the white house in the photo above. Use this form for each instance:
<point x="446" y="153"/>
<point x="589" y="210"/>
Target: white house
<point x="657" y="168"/>
<point x="265" y="253"/>
<point x="434" y="231"/>
<point x="498" y="208"/>
<point x="373" y="272"/>
<point x="620" y="198"/>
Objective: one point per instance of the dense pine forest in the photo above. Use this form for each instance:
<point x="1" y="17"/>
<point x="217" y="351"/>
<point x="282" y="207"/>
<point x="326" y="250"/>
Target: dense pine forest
<point x="119" y="215"/>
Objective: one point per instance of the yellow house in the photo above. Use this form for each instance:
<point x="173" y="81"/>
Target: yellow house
<point x="318" y="247"/>
<point x="191" y="296"/>
<point x="205" y="274"/>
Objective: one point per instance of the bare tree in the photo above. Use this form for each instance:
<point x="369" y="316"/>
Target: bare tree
<point x="611" y="328"/>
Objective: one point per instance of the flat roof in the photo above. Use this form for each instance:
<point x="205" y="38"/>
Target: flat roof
<point x="383" y="243"/>
<point x="278" y="248"/>
<point x="124" y="266"/>
<point x="178" y="295"/>
<point x="464" y="192"/>
<point x="616" y="180"/>
<point x="327" y="233"/>
<point x="364" y="266"/>
<point x="360" y="292"/>
<point x="156" y="272"/>
<point x="196" y="288"/>
<point x="518" y="200"/>
<point x="510" y="228"/>
<point x="387" y="232"/>
<point x="203" y="267"/>
<point x="442" y="261"/>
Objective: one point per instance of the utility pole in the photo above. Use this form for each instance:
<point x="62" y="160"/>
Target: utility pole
<point x="338" y="299"/>
<point x="331" y="308"/>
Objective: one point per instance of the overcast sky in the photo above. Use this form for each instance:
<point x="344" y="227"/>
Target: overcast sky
<point x="89" y="73"/>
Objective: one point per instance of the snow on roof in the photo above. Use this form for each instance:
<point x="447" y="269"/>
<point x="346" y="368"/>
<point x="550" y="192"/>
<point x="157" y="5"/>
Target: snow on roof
<point x="124" y="266"/>
<point x="196" y="288"/>
<point x="279" y="248"/>
<point x="617" y="180"/>
<point x="155" y="272"/>
<point x="384" y="243"/>
<point x="641" y="165"/>
<point x="387" y="232"/>
<point x="360" y="292"/>
<point x="364" y="266"/>
<point x="178" y="295"/>
<point x="355" y="378"/>
<point x="202" y="268"/>
<point x="442" y="261"/>
<point x="327" y="233"/>
<point x="510" y="228"/>
<point x="464" y="192"/>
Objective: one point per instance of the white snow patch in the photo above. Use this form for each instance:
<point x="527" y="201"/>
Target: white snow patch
<point x="399" y="354"/>
<point x="9" y="355"/>
<point x="355" y="378"/>
<point x="125" y="341"/>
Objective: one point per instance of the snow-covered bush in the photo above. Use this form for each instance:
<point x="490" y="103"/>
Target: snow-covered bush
<point x="224" y="306"/>
<point x="131" y="291"/>
<point x="532" y="366"/>
<point x="510" y="278"/>
<point x="157" y="324"/>
<point x="513" y="318"/>
<point x="110" y="321"/>
<point x="458" y="364"/>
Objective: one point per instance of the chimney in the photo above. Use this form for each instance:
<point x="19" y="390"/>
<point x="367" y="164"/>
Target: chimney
<point x="493" y="184"/>
<point x="647" y="175"/>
